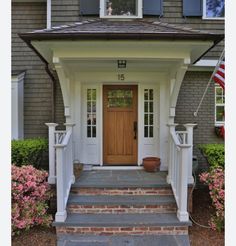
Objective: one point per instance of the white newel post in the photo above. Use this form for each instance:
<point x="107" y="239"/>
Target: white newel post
<point x="189" y="129"/>
<point x="69" y="126"/>
<point x="61" y="210"/>
<point x="182" y="213"/>
<point x="51" y="154"/>
<point x="170" y="152"/>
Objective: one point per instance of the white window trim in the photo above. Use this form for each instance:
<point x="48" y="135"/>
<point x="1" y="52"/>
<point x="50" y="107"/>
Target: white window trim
<point x="139" y="14"/>
<point x="204" y="17"/>
<point x="218" y="123"/>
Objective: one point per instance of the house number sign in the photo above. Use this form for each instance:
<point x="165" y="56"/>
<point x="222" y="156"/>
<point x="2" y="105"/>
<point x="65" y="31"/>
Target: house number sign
<point x="121" y="76"/>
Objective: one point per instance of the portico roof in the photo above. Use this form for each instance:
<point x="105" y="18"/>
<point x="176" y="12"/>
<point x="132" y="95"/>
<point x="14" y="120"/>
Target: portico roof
<point x="109" y="29"/>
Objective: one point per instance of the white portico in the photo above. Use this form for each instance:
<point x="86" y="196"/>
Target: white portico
<point x="121" y="114"/>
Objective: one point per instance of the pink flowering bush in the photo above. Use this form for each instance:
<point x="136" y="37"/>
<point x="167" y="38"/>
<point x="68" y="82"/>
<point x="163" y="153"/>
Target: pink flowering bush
<point x="215" y="179"/>
<point x="30" y="193"/>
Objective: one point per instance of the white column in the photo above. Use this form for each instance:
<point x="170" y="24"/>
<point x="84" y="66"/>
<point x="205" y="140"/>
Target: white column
<point x="170" y="152"/>
<point x="182" y="213"/>
<point x="61" y="207"/>
<point x="51" y="152"/>
<point x="69" y="126"/>
<point x="189" y="129"/>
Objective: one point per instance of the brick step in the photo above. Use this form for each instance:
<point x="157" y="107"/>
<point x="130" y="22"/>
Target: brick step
<point x="121" y="204"/>
<point x="122" y="224"/>
<point x="121" y="191"/>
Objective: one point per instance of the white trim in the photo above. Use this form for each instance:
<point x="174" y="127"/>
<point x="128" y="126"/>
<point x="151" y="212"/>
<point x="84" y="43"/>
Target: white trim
<point x="117" y="168"/>
<point x="204" y="17"/>
<point x="17" y="106"/>
<point x="49" y="12"/>
<point x="206" y="63"/>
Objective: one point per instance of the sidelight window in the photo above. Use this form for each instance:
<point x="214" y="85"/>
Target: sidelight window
<point x="91" y="113"/>
<point x="148" y="113"/>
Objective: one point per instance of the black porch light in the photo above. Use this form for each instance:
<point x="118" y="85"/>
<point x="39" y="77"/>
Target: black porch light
<point x="121" y="63"/>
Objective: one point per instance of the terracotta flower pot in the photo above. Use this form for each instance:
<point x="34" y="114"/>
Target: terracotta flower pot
<point x="151" y="164"/>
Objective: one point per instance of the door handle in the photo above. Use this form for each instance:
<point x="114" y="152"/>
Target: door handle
<point x="135" y="129"/>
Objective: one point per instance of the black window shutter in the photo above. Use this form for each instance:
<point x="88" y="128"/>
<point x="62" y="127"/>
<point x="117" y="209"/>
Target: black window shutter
<point x="89" y="7"/>
<point x="152" y="7"/>
<point x="192" y="7"/>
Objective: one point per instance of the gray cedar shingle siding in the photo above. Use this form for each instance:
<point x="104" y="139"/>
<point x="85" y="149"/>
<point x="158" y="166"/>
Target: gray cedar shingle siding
<point x="37" y="85"/>
<point x="64" y="11"/>
<point x="189" y="97"/>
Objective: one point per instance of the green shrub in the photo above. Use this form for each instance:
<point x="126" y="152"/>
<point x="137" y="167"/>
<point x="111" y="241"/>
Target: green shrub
<point x="28" y="151"/>
<point x="215" y="154"/>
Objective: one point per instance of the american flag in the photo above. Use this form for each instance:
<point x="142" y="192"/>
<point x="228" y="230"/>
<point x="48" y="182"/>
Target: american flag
<point x="219" y="76"/>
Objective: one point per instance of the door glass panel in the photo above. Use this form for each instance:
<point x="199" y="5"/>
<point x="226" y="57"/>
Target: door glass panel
<point x="120" y="98"/>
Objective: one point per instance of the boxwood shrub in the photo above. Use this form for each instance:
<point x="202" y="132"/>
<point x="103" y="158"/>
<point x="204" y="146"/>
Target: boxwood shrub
<point x="28" y="151"/>
<point x="215" y="154"/>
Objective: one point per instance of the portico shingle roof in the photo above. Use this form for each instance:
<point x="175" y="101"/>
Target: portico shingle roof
<point x="110" y="29"/>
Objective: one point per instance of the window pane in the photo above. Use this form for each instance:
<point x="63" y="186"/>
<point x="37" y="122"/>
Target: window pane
<point x="89" y="107"/>
<point x="151" y="107"/>
<point x="220" y="113"/>
<point x="94" y="132"/>
<point x="94" y="94"/>
<point x="146" y="131"/>
<point x="151" y="94"/>
<point x="151" y="131"/>
<point x="89" y="119"/>
<point x="151" y="119"/>
<point x="146" y="119"/>
<point x="146" y="107"/>
<point x="88" y="94"/>
<point x="120" y="98"/>
<point x="219" y="91"/>
<point x="219" y="100"/>
<point x="121" y="7"/>
<point x="89" y="131"/>
<point x="145" y="95"/>
<point x="94" y="107"/>
<point x="215" y="8"/>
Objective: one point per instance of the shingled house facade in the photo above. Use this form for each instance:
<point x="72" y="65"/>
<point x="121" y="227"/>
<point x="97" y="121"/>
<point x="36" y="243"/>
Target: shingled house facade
<point x="120" y="74"/>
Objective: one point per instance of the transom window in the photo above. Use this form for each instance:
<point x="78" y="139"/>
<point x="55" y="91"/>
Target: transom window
<point x="213" y="9"/>
<point x="219" y="105"/>
<point x="121" y="8"/>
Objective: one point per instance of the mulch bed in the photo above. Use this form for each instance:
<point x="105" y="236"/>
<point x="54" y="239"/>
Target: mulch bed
<point x="202" y="209"/>
<point x="198" y="236"/>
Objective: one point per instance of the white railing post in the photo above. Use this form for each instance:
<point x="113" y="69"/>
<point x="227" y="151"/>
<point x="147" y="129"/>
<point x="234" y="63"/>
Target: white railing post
<point x="182" y="213"/>
<point x="51" y="152"/>
<point x="69" y="126"/>
<point x="170" y="152"/>
<point x="189" y="129"/>
<point x="61" y="210"/>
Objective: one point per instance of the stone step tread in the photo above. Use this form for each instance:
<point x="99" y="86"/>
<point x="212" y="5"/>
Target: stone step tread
<point x="121" y="199"/>
<point x="121" y="179"/>
<point x="121" y="220"/>
<point x="131" y="240"/>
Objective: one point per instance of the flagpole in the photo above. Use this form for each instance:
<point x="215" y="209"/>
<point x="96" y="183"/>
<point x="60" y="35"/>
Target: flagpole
<point x="209" y="82"/>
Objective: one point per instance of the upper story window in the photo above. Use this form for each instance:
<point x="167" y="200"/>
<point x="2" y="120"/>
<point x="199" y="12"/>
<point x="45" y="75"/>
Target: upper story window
<point x="213" y="9"/>
<point x="121" y="8"/>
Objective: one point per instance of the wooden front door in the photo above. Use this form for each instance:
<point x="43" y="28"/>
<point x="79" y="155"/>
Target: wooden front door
<point x="120" y="125"/>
